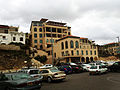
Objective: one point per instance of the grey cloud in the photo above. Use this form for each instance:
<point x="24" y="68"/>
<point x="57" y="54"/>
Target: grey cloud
<point x="95" y="19"/>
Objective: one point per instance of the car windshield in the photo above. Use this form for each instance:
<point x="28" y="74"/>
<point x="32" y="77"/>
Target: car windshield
<point x="20" y="76"/>
<point x="93" y="67"/>
<point x="54" y="69"/>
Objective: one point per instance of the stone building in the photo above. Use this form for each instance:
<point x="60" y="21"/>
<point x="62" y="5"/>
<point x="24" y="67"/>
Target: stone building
<point x="75" y="49"/>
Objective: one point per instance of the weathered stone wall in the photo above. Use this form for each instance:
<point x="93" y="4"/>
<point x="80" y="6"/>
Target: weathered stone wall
<point x="9" y="47"/>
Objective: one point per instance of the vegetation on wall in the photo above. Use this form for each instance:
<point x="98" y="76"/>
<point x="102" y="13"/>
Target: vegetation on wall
<point x="41" y="59"/>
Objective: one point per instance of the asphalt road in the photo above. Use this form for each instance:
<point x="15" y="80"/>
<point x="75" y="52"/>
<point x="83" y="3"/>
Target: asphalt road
<point x="82" y="81"/>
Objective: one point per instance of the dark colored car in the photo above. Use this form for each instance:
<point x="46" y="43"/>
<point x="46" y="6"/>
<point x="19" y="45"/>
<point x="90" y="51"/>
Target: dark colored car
<point x="75" y="68"/>
<point x="66" y="68"/>
<point x="115" y="67"/>
<point x="19" y="81"/>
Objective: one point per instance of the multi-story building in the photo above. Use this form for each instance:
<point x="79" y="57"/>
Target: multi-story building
<point x="75" y="49"/>
<point x="10" y="34"/>
<point x="45" y="32"/>
<point x="66" y="47"/>
<point x="109" y="49"/>
<point x="15" y="37"/>
<point x="6" y="29"/>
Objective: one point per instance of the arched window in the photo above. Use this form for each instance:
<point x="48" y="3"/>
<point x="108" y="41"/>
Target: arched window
<point x="94" y="52"/>
<point x="86" y="52"/>
<point x="91" y="52"/>
<point x="62" y="45"/>
<point x="76" y="44"/>
<point x="66" y="44"/>
<point x="35" y="29"/>
<point x="71" y="44"/>
<point x="82" y="52"/>
<point x="77" y="52"/>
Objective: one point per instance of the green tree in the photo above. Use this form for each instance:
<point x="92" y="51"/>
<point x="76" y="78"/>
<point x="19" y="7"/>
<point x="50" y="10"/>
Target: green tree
<point x="41" y="59"/>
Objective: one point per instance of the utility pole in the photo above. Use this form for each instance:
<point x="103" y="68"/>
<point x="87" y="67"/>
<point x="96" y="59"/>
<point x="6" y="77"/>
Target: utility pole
<point x="52" y="47"/>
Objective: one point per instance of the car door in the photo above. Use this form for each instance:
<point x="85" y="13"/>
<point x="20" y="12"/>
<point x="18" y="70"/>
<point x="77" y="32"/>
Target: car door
<point x="44" y="73"/>
<point x="101" y="69"/>
<point x="3" y="83"/>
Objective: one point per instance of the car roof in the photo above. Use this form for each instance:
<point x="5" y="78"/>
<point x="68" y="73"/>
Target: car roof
<point x="14" y="73"/>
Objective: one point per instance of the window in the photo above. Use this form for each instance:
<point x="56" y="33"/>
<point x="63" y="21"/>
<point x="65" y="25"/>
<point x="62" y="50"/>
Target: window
<point x="35" y="41"/>
<point x="71" y="44"/>
<point x="90" y="52"/>
<point x="66" y="53"/>
<point x="86" y="52"/>
<point x="95" y="52"/>
<point x="14" y="38"/>
<point x="44" y="71"/>
<point x="6" y="31"/>
<point x="54" y="54"/>
<point x="34" y="24"/>
<point x="4" y="37"/>
<point x="40" y="29"/>
<point x="40" y="35"/>
<point x="40" y="41"/>
<point x="76" y="44"/>
<point x="35" y="29"/>
<point x="47" y="40"/>
<point x="35" y="35"/>
<point x="77" y="52"/>
<point x="21" y="38"/>
<point x="72" y="52"/>
<point x="62" y="53"/>
<point x="68" y="33"/>
<point x="62" y="45"/>
<point x="66" y="44"/>
<point x="52" y="40"/>
<point x="80" y="47"/>
<point x="82" y="52"/>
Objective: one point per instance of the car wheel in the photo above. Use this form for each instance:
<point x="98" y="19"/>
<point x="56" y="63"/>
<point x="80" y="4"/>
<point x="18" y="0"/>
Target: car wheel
<point x="49" y="80"/>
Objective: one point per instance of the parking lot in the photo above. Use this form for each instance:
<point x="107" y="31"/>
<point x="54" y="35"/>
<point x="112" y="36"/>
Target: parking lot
<point x="83" y="81"/>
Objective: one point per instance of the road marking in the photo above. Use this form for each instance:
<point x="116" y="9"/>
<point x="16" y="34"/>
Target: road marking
<point x="112" y="79"/>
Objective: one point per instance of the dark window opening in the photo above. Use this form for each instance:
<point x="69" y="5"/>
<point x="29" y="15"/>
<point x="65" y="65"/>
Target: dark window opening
<point x="21" y="38"/>
<point x="59" y="31"/>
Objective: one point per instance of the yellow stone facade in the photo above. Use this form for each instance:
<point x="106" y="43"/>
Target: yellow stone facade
<point x="44" y="33"/>
<point x="83" y="50"/>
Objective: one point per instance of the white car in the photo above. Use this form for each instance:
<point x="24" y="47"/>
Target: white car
<point x="47" y="66"/>
<point x="97" y="70"/>
<point x="86" y="67"/>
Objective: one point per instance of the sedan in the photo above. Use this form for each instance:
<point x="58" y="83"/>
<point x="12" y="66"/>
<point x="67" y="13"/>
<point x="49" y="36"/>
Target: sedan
<point x="19" y="81"/>
<point x="97" y="70"/>
<point x="51" y="74"/>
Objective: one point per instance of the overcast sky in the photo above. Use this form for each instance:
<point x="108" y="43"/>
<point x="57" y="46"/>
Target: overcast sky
<point x="98" y="20"/>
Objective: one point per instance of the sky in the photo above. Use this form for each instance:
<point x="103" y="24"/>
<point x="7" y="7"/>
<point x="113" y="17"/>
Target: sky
<point x="97" y="20"/>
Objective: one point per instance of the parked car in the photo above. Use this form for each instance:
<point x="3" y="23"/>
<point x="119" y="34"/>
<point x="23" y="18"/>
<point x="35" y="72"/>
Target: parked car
<point x="97" y="70"/>
<point x="86" y="67"/>
<point x="51" y="74"/>
<point x="75" y="68"/>
<point x="46" y="66"/>
<point x="66" y="68"/>
<point x="115" y="67"/>
<point x="32" y="72"/>
<point x="19" y="81"/>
